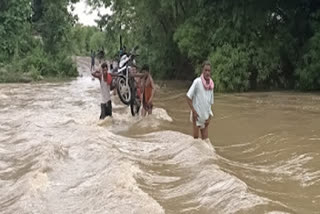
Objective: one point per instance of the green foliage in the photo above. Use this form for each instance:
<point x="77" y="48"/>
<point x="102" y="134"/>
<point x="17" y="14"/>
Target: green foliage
<point x="192" y="40"/>
<point x="151" y="25"/>
<point x="54" y="25"/>
<point x="35" y="40"/>
<point x="14" y="15"/>
<point x="229" y="68"/>
<point x="252" y="44"/>
<point x="308" y="72"/>
<point x="308" y="69"/>
<point x="97" y="41"/>
<point x="80" y="38"/>
<point x="38" y="64"/>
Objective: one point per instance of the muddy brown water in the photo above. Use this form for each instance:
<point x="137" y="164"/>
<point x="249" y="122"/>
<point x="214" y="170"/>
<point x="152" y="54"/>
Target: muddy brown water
<point x="57" y="157"/>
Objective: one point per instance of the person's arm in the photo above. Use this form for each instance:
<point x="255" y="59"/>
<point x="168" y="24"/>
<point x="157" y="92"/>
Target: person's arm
<point x="114" y="74"/>
<point x="142" y="83"/>
<point x="190" y="95"/>
<point x="211" y="113"/>
<point x="96" y="74"/>
<point x="194" y="112"/>
<point x="153" y="89"/>
<point x="138" y="75"/>
<point x="212" y="102"/>
<point x="210" y="116"/>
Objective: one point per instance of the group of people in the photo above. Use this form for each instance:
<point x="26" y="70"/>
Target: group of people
<point x="200" y="97"/>
<point x="144" y="84"/>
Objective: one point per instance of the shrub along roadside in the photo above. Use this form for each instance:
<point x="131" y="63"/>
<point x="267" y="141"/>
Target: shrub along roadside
<point x="38" y="66"/>
<point x="35" y="41"/>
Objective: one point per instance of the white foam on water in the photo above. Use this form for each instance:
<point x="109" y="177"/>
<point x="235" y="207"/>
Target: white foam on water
<point x="178" y="168"/>
<point x="58" y="157"/>
<point x="161" y="114"/>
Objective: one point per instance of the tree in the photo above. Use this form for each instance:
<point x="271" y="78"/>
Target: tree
<point x="14" y="25"/>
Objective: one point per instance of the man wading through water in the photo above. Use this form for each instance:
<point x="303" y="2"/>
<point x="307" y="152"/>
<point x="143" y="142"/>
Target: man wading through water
<point x="148" y="89"/>
<point x="200" y="100"/>
<point x="93" y="55"/>
<point x="105" y="82"/>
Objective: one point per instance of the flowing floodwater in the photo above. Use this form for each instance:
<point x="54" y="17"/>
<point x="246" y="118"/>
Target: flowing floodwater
<point x="57" y="157"/>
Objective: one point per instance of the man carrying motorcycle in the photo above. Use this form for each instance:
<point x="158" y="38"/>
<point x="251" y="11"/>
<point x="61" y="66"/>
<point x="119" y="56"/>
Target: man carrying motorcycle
<point x="105" y="82"/>
<point x="138" y="79"/>
<point x="148" y="89"/>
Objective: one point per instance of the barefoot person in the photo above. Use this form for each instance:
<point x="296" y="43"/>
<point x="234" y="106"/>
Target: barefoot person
<point x="93" y="55"/>
<point x="148" y="90"/>
<point x="200" y="100"/>
<point x="138" y="77"/>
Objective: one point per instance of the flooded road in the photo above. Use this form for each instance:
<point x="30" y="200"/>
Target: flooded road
<point x="57" y="157"/>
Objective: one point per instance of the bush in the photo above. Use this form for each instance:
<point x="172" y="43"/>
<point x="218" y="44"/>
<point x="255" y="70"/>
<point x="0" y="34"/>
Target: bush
<point x="230" y="68"/>
<point x="8" y="75"/>
<point x="34" y="73"/>
<point x="308" y="72"/>
<point x="36" y="65"/>
<point x="65" y="66"/>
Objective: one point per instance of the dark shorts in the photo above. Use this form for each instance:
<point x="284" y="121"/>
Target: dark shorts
<point x="106" y="110"/>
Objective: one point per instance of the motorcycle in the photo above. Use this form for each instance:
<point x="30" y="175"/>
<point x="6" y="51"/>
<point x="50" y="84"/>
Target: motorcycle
<point x="135" y="103"/>
<point x="125" y="84"/>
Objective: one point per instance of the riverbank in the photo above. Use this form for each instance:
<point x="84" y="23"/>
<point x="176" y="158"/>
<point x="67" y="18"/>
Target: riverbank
<point x="16" y="77"/>
<point x="83" y="63"/>
<point x="38" y="67"/>
<point x="56" y="153"/>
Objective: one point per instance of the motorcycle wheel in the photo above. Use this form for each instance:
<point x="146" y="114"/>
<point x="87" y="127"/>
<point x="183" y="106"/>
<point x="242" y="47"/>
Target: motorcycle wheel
<point x="123" y="90"/>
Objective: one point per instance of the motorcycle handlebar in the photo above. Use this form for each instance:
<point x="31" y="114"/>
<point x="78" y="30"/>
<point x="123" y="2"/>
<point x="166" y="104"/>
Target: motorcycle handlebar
<point x="132" y="52"/>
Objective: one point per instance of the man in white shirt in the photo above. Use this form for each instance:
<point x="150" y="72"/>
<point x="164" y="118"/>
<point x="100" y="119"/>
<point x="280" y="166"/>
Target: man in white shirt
<point x="200" y="100"/>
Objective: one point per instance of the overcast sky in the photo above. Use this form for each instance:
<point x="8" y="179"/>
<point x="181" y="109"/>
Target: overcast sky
<point x="85" y="13"/>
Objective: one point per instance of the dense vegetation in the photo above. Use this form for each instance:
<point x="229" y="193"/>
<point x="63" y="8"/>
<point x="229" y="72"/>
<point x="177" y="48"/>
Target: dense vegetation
<point x="252" y="44"/>
<point x="35" y="40"/>
<point x="85" y="39"/>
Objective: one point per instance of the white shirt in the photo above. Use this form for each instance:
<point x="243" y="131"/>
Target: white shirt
<point x="105" y="90"/>
<point x="202" y="100"/>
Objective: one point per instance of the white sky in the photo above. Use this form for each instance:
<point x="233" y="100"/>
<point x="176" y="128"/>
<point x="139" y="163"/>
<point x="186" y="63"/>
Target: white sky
<point x="86" y="16"/>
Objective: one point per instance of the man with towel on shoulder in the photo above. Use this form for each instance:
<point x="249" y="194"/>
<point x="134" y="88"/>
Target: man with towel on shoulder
<point x="200" y="100"/>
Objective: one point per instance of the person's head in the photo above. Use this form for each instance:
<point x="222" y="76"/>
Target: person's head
<point x="133" y="68"/>
<point x="145" y="68"/>
<point x="104" y="67"/>
<point x="206" y="70"/>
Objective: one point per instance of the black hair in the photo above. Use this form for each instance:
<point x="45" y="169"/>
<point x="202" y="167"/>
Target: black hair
<point x="206" y="63"/>
<point x="145" y="67"/>
<point x="104" y="65"/>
